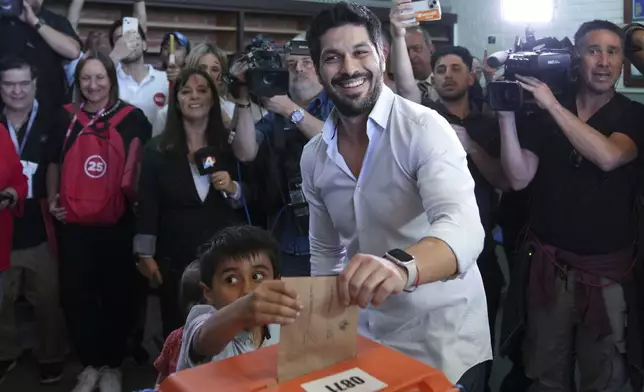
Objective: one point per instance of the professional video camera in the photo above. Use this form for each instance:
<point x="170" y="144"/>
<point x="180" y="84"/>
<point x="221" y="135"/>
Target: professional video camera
<point x="266" y="76"/>
<point x="546" y="59"/>
<point x="12" y="8"/>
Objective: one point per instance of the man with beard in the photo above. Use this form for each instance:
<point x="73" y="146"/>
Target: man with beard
<point x="453" y="79"/>
<point x="579" y="157"/>
<point x="392" y="207"/>
<point x="279" y="137"/>
<point x="139" y="83"/>
<point x="46" y="40"/>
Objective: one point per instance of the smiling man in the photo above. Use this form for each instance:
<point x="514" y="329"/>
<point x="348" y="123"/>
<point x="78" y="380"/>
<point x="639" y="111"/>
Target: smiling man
<point x="580" y="160"/>
<point x="392" y="206"/>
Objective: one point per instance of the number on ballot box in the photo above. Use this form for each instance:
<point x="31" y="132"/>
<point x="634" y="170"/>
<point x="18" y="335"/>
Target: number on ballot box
<point x="353" y="380"/>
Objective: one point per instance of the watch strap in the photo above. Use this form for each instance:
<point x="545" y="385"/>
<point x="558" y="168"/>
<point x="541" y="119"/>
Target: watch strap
<point x="39" y="24"/>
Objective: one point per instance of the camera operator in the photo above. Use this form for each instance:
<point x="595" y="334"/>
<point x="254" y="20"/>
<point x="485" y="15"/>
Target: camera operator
<point x="44" y="39"/>
<point x="579" y="157"/>
<point x="281" y="136"/>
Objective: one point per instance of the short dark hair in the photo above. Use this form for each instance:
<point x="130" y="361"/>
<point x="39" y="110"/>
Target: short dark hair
<point x="459" y="51"/>
<point x="110" y="68"/>
<point x="341" y="14"/>
<point x="597" y="24"/>
<point x="237" y="242"/>
<point x="119" y="23"/>
<point x="12" y="61"/>
<point x="190" y="292"/>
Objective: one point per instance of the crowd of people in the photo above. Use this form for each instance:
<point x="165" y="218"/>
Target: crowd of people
<point x="384" y="164"/>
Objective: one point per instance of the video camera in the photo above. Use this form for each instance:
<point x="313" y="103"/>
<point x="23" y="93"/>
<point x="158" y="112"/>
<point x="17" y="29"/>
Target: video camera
<point x="11" y="8"/>
<point x="266" y="75"/>
<point x="546" y="59"/>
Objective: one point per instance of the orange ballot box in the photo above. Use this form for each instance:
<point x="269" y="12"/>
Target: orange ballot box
<point x="375" y="368"/>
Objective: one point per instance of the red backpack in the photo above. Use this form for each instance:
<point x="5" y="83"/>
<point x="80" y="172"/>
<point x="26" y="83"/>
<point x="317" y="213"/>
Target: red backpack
<point x="99" y="172"/>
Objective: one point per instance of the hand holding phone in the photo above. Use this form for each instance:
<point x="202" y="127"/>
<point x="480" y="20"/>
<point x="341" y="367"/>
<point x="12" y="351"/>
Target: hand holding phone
<point x="423" y="11"/>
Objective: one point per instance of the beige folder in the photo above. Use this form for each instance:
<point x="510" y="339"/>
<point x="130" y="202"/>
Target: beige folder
<point x="324" y="334"/>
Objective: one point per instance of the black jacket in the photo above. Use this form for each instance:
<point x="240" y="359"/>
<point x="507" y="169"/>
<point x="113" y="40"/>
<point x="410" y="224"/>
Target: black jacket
<point x="170" y="211"/>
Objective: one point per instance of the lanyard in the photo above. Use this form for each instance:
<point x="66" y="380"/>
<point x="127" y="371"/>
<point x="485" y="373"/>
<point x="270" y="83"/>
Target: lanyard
<point x="14" y="135"/>
<point x="89" y="124"/>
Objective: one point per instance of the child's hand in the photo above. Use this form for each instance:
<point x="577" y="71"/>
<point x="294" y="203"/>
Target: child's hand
<point x="271" y="303"/>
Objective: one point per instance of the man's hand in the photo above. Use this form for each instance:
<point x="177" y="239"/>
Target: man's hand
<point x="464" y="137"/>
<point x="279" y="104"/>
<point x="173" y="72"/>
<point x="125" y="46"/>
<point x="238" y="70"/>
<point x="271" y="303"/>
<point x="28" y="15"/>
<point x="402" y="11"/>
<point x="542" y="93"/>
<point x="370" y="279"/>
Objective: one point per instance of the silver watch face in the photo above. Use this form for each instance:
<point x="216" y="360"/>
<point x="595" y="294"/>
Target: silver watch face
<point x="297" y="116"/>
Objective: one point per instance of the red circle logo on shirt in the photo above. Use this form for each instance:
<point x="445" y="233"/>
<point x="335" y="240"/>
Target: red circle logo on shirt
<point x="159" y="99"/>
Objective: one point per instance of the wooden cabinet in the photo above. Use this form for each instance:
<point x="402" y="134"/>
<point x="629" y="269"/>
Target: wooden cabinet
<point x="230" y="24"/>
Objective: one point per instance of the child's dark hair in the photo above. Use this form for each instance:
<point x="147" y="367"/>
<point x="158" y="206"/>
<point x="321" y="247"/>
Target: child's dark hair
<point x="190" y="292"/>
<point x="237" y="242"/>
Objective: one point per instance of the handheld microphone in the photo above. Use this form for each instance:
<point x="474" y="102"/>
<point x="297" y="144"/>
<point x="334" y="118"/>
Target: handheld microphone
<point x="206" y="162"/>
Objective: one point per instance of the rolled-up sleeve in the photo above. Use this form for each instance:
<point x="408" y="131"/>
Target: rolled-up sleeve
<point x="328" y="255"/>
<point x="447" y="191"/>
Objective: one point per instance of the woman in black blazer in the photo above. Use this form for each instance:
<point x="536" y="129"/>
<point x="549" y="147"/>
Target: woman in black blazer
<point x="179" y="209"/>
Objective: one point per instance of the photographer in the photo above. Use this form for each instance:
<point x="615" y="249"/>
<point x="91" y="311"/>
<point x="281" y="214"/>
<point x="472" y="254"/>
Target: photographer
<point x="44" y="39"/>
<point x="279" y="138"/>
<point x="579" y="156"/>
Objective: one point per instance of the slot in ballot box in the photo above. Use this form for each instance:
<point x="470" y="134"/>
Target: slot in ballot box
<point x="375" y="368"/>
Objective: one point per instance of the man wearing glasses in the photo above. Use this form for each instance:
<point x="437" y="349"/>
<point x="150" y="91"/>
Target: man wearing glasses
<point x="279" y="138"/>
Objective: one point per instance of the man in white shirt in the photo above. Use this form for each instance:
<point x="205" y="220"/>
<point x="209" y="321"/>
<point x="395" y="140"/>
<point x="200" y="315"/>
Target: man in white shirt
<point x="392" y="207"/>
<point x="139" y="83"/>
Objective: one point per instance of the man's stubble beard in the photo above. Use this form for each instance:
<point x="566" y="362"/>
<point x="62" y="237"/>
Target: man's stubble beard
<point x="364" y="106"/>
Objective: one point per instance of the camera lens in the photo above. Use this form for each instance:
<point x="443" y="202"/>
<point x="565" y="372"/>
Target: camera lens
<point x="268" y="78"/>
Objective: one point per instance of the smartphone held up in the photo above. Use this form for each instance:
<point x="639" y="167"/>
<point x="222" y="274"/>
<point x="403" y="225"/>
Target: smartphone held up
<point x="423" y="11"/>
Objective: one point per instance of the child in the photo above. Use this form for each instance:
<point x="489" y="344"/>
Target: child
<point x="246" y="299"/>
<point x="189" y="296"/>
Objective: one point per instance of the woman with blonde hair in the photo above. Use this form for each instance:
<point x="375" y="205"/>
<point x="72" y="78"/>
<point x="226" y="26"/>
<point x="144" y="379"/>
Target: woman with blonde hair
<point x="214" y="61"/>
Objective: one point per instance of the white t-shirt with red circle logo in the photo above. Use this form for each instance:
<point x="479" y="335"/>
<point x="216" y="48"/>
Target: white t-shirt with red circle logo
<point x="151" y="95"/>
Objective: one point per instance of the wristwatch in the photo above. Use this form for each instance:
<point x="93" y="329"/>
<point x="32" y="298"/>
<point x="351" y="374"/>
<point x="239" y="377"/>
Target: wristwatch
<point x="39" y="24"/>
<point x="297" y="116"/>
<point x="408" y="262"/>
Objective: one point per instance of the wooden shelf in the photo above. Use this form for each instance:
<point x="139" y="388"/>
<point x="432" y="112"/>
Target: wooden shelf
<point x="268" y="30"/>
<point x="170" y="26"/>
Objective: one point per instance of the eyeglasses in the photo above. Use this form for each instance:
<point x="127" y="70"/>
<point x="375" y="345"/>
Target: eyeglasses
<point x="306" y="64"/>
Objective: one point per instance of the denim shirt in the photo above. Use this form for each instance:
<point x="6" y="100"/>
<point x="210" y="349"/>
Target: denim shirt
<point x="290" y="241"/>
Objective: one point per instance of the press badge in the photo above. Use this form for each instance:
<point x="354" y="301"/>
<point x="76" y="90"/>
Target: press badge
<point x="29" y="170"/>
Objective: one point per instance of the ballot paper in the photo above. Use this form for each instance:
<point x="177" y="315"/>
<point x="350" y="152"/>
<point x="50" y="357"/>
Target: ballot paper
<point x="324" y="333"/>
